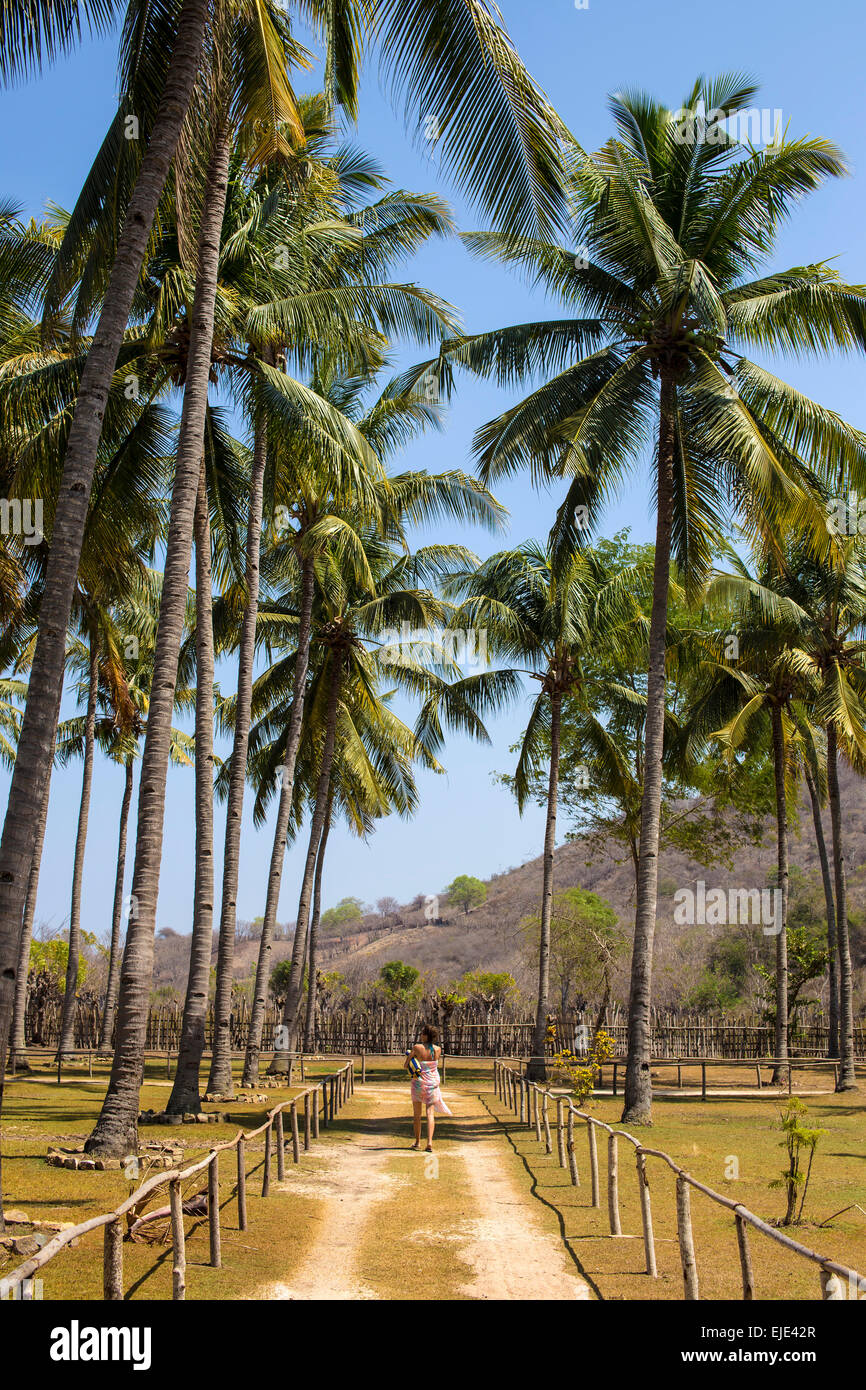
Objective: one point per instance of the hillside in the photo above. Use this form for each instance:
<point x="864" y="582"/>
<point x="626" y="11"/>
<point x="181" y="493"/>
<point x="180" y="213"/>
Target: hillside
<point x="490" y="936"/>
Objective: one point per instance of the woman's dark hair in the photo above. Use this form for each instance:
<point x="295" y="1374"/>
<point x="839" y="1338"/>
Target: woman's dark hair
<point x="430" y="1034"/>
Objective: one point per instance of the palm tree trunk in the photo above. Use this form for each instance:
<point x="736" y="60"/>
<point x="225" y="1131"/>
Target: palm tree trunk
<point x="638" y="1081"/>
<point x="110" y="1006"/>
<point x="185" y="1091"/>
<point x="847" y="1077"/>
<point x="116" y="1129"/>
<point x="537" y="1068"/>
<point x="70" y="997"/>
<point x="275" y="875"/>
<point x="221" y="1062"/>
<point x="19" y="1013"/>
<point x="781" y="924"/>
<point x="291" y="1007"/>
<point x="312" y="986"/>
<point x="830" y="904"/>
<point x="33" y="754"/>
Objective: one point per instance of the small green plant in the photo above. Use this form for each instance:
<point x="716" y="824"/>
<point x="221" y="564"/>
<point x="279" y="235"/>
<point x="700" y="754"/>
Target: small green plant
<point x="797" y="1139"/>
<point x="582" y="1072"/>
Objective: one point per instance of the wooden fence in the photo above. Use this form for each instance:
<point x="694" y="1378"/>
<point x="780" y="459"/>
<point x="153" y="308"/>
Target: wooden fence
<point x="331" y="1091"/>
<point x="470" y="1030"/>
<point x="531" y="1102"/>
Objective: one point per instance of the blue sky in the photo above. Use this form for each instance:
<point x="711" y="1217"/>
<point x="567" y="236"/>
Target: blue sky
<point x="809" y="62"/>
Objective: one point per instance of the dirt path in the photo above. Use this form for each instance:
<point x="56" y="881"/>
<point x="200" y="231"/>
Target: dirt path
<point x="393" y="1223"/>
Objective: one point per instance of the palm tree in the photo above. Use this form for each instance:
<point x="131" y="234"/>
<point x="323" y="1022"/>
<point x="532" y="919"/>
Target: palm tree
<point x="185" y="1091"/>
<point x="670" y="235"/>
<point x="43" y="706"/>
<point x="766" y="672"/>
<point x="498" y="134"/>
<point x="67" y="1026"/>
<point x="829" y="590"/>
<point x="362" y="589"/>
<point x="324" y="505"/>
<point x="375" y="236"/>
<point x="553" y="617"/>
<point x="814" y="761"/>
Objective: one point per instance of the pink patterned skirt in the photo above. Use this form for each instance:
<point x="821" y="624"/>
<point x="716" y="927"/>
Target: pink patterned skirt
<point x="425" y="1089"/>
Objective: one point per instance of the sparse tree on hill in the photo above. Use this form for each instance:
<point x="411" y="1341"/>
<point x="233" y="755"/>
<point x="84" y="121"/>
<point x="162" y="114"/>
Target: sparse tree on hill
<point x="466" y="892"/>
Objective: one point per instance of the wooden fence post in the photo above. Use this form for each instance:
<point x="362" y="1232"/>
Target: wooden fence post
<point x="523" y="1100"/>
<point x="112" y="1263"/>
<point x="178" y="1242"/>
<point x="613" y="1186"/>
<point x="363" y="1067"/>
<point x="703" y="1080"/>
<point x="646" y="1213"/>
<point x="536" y="1112"/>
<point x="560" y="1135"/>
<point x="306" y="1120"/>
<point x="325" y="1104"/>
<point x="572" y="1156"/>
<point x="266" y="1172"/>
<point x="745" y="1260"/>
<point x="303" y="1069"/>
<point x="296" y="1147"/>
<point x="213" y="1210"/>
<point x="281" y="1147"/>
<point x="314" y="1102"/>
<point x="242" y="1184"/>
<point x="686" y="1239"/>
<point x="593" y="1164"/>
<point x="832" y="1288"/>
<point x="548" y="1144"/>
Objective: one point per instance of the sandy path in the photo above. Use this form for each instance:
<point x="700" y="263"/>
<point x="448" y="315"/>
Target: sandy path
<point x="499" y="1234"/>
<point x="513" y="1257"/>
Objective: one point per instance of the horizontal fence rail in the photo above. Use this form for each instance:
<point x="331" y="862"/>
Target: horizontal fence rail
<point x="531" y="1102"/>
<point x="319" y="1102"/>
<point x="783" y="1068"/>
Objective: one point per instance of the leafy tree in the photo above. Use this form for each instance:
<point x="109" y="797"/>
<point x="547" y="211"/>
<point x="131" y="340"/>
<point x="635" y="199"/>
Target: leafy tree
<point x="807" y="960"/>
<point x="727" y="974"/>
<point x="52" y="956"/>
<point x="279" y="980"/>
<point x="494" y="988"/>
<point x="346" y="910"/>
<point x="585" y="943"/>
<point x="466" y="892"/>
<point x="399" y="981"/>
<point x="797" y="1138"/>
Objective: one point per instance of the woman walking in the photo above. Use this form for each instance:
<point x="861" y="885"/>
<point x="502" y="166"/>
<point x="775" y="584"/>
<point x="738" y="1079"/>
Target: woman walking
<point x="422" y="1064"/>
